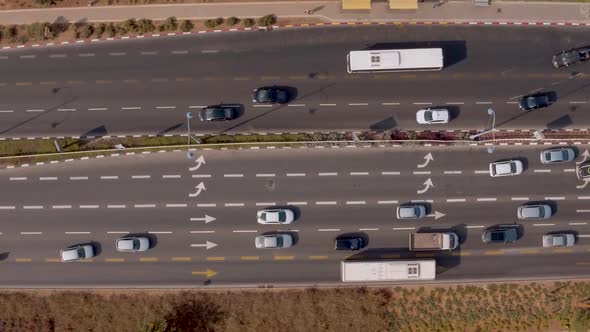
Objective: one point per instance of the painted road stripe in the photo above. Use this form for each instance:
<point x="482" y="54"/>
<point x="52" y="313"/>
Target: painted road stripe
<point x="355" y="202"/>
<point x="487" y="199"/>
<point x="265" y="203"/>
<point x="160" y="232"/>
<point x="114" y="260"/>
<point x="7" y="207"/>
<point x="328" y="174"/>
<point x="421" y="172"/>
<point x="283" y="258"/>
<point x="18" y="178"/>
<point x="295" y="174"/>
<point x="387" y="202"/>
<point x="144" y="206"/>
<point x="181" y="259"/>
<point x="265" y="175"/>
<point x="244" y="231"/>
<point x="325" y="203"/>
<point x="404" y="228"/>
<point x="117" y="232"/>
<point x="519" y="198"/>
<point x="296" y="203"/>
<point x="61" y="207"/>
<point x="555" y="198"/>
<point x="481" y="172"/>
<point x="148" y="259"/>
<point x="475" y="226"/>
<point x="109" y="177"/>
<point x="171" y="176"/>
<point x="249" y="258"/>
<point x="234" y="204"/>
<point x="368" y="229"/>
<point x="116" y="206"/>
<point x="453" y="172"/>
<point x="359" y="173"/>
<point x="583" y="197"/>
<point x="141" y="176"/>
<point x="78" y="178"/>
<point x="201" y="176"/>
<point x="543" y="225"/>
<point x="542" y="171"/>
<point x="577" y="223"/>
<point x="494" y="252"/>
<point x="33" y="207"/>
<point x="455" y="200"/>
<point x="31" y="233"/>
<point x="171" y="205"/>
<point x="233" y="175"/>
<point x="88" y="206"/>
<point x="75" y="233"/>
<point x="583" y="211"/>
<point x="328" y="229"/>
<point x="390" y="173"/>
<point x="48" y="178"/>
<point x="317" y="257"/>
<point x="207" y="205"/>
<point x="215" y="258"/>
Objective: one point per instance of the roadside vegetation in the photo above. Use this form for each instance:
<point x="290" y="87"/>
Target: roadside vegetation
<point x="495" y="307"/>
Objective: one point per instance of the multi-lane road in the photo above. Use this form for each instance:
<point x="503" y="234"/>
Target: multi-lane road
<point x="334" y="191"/>
<point x="147" y="86"/>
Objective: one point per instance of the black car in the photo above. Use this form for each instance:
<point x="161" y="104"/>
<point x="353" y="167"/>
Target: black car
<point x="348" y="243"/>
<point x="531" y="102"/>
<point x="270" y="95"/>
<point x="222" y="112"/>
<point x="499" y="235"/>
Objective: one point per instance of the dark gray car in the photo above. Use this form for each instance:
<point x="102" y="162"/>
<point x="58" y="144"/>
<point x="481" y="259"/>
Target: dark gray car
<point x="348" y="243"/>
<point x="223" y="112"/>
<point x="270" y="95"/>
<point x="531" y="102"/>
<point x="499" y="235"/>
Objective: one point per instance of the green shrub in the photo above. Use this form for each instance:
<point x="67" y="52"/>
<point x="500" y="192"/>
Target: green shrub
<point x="111" y="30"/>
<point x="267" y="20"/>
<point x="232" y="21"/>
<point x="209" y="23"/>
<point x="249" y="22"/>
<point x="145" y="25"/>
<point x="186" y="26"/>
<point x="170" y="24"/>
<point x="100" y="29"/>
<point x="9" y="33"/>
<point x="44" y="3"/>
<point x="87" y="31"/>
<point x="219" y="20"/>
<point x="128" y="26"/>
<point x="39" y="31"/>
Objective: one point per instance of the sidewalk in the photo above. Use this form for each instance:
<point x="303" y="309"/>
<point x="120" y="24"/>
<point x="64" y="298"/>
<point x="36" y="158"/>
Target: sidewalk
<point x="451" y="11"/>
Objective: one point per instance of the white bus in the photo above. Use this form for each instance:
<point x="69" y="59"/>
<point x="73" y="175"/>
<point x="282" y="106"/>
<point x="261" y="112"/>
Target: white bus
<point x="395" y="60"/>
<point x="388" y="270"/>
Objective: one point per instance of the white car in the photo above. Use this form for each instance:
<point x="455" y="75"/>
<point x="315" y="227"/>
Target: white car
<point x="559" y="240"/>
<point x="411" y="211"/>
<point x="77" y="253"/>
<point x="275" y="216"/>
<point x="506" y="168"/>
<point x="557" y="155"/>
<point x="432" y="116"/>
<point x="273" y="241"/>
<point x="132" y="244"/>
<point x="537" y="211"/>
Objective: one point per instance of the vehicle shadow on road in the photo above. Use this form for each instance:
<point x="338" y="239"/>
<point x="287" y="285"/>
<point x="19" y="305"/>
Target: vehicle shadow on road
<point x="4" y="255"/>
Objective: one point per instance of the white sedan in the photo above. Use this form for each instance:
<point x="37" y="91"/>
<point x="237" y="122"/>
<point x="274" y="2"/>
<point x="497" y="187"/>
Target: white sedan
<point x="506" y="168"/>
<point x="558" y="240"/>
<point x="275" y="216"/>
<point x="432" y="116"/>
<point x="274" y="241"/>
<point x="557" y="155"/>
<point x="133" y="244"/>
<point x="76" y="253"/>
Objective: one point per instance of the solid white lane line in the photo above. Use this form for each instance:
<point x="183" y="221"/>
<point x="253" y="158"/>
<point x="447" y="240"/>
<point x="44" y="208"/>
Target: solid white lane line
<point x="542" y="225"/>
<point x="78" y="178"/>
<point x="328" y="174"/>
<point x="404" y="228"/>
<point x="368" y="229"/>
<point x="325" y="203"/>
<point x="542" y="171"/>
<point x="328" y="229"/>
<point x="234" y="204"/>
<point x="33" y="207"/>
<point x="171" y="176"/>
<point x="265" y="175"/>
<point x="144" y="205"/>
<point x="201" y="232"/>
<point x="481" y="172"/>
<point x="455" y="200"/>
<point x="453" y="172"/>
<point x="577" y="223"/>
<point x="583" y="211"/>
<point x="207" y="205"/>
<point x="387" y="202"/>
<point x="47" y="178"/>
<point x="295" y="174"/>
<point x="233" y="175"/>
<point x="116" y="206"/>
<point x="421" y="172"/>
<point x="74" y="233"/>
<point x="487" y="199"/>
<point x="245" y="231"/>
<point x="88" y="206"/>
<point x="477" y="226"/>
<point x="109" y="177"/>
<point x="201" y="176"/>
<point x="140" y="176"/>
<point x="555" y="198"/>
<point x="296" y="203"/>
<point x="31" y="233"/>
<point x="519" y="198"/>
<point x="61" y="207"/>
<point x="18" y="178"/>
<point x="355" y="202"/>
<point x="265" y="203"/>
<point x="390" y="173"/>
<point x="358" y="173"/>
<point x="172" y="205"/>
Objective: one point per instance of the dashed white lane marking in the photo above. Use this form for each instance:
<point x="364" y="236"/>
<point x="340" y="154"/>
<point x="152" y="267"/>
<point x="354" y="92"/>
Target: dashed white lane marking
<point x="140" y="206"/>
<point x="6" y="111"/>
<point x="358" y="104"/>
<point x="583" y="197"/>
<point x="244" y="231"/>
<point x="209" y="51"/>
<point x="117" y="53"/>
<point x="32" y="111"/>
<point x="328" y="174"/>
<point x="117" y="232"/>
<point x="422" y="172"/>
<point x="180" y="52"/>
<point x="31" y="233"/>
<point x="583" y="211"/>
<point x="555" y="198"/>
<point x="234" y="204"/>
<point x="27" y="56"/>
<point x="140" y="176"/>
<point x="359" y="173"/>
<point x="295" y="174"/>
<point x="542" y="225"/>
<point x="66" y="110"/>
<point x="201" y="176"/>
<point x="47" y="178"/>
<point x="387" y="202"/>
<point x="577" y="223"/>
<point x="569" y="170"/>
<point x="475" y="226"/>
<point x="176" y="205"/>
<point x="265" y="175"/>
<point x="148" y="53"/>
<point x="86" y="54"/>
<point x="98" y="109"/>
<point x="422" y="201"/>
<point x="355" y="202"/>
<point x="131" y="108"/>
<point x="511" y="102"/>
<point x="109" y="177"/>
<point x="78" y="178"/>
<point x="327" y="104"/>
<point x="33" y="207"/>
<point x="368" y="229"/>
<point x="165" y="107"/>
<point x="296" y="105"/>
<point x="453" y="172"/>
<point x="18" y="178"/>
<point x="7" y="207"/>
<point x="454" y="103"/>
<point x="422" y="103"/>
<point x="325" y="203"/>
<point x="171" y="176"/>
<point x="487" y="199"/>
<point x="481" y="172"/>
<point x="542" y="171"/>
<point x="89" y="206"/>
<point x="455" y="200"/>
<point x="390" y="104"/>
<point x="404" y="228"/>
<point x="76" y="233"/>
<point x="206" y="205"/>
<point x="201" y="232"/>
<point x="262" y="105"/>
<point x="160" y="232"/>
<point x="57" y="55"/>
<point x="577" y="102"/>
<point x="483" y="102"/>
<point x="266" y="203"/>
<point x="116" y="206"/>
<point x="519" y="198"/>
<point x="296" y="203"/>
<point x="328" y="229"/>
<point x="61" y="207"/>
<point x="390" y="173"/>
<point x="233" y="175"/>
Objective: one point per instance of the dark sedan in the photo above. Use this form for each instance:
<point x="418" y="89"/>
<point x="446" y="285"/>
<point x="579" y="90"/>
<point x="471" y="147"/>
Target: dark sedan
<point x="499" y="235"/>
<point x="223" y="112"/>
<point x="531" y="102"/>
<point x="270" y="95"/>
<point x="348" y="243"/>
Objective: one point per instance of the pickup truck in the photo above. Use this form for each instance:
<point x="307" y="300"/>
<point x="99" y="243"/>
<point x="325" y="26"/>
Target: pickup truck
<point x="571" y="57"/>
<point x="433" y="241"/>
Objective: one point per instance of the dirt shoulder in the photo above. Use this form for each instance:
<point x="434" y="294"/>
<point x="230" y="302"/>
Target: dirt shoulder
<point x="487" y="307"/>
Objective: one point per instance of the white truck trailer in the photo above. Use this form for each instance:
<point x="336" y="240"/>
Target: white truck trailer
<point x="388" y="270"/>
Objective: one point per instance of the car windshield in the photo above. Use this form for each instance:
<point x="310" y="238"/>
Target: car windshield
<point x="416" y="211"/>
<point x="135" y="244"/>
<point x="217" y="113"/>
<point x="263" y="216"/>
<point x="279" y="241"/>
<point x="81" y="253"/>
<point x="513" y="167"/>
<point x="428" y="116"/>
<point x="497" y="236"/>
<point x="266" y="95"/>
<point x="282" y="216"/>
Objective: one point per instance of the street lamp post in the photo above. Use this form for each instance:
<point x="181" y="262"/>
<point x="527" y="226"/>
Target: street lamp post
<point x="189" y="153"/>
<point x="491" y="130"/>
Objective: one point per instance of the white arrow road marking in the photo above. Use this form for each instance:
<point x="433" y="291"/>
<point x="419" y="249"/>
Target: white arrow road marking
<point x="583" y="185"/>
<point x="427" y="184"/>
<point x="207" y="219"/>
<point x="207" y="245"/>
<point x="586" y="155"/>
<point x="436" y="215"/>
<point x="200" y="161"/>
<point x="199" y="188"/>
<point x="428" y="158"/>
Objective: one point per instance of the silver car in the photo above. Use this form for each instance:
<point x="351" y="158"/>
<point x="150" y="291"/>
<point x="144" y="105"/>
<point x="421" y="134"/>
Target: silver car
<point x="411" y="211"/>
<point x="537" y="211"/>
<point x="557" y="155"/>
<point x="132" y="244"/>
<point x="433" y="116"/>
<point x="275" y="216"/>
<point x="506" y="168"/>
<point x="274" y="241"/>
<point x="558" y="240"/>
<point x="76" y="253"/>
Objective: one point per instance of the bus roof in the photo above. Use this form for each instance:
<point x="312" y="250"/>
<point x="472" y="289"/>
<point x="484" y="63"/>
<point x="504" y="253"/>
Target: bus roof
<point x="391" y="270"/>
<point x="407" y="59"/>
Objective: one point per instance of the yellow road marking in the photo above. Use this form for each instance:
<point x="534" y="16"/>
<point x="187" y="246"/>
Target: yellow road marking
<point x="23" y="260"/>
<point x="366" y="23"/>
<point x="241" y="78"/>
<point x="494" y="252"/>
<point x="382" y="77"/>
<point x="427" y="22"/>
<point x="382" y="23"/>
<point x="300" y="77"/>
<point x="304" y="24"/>
<point x="183" y="79"/>
<point x="48" y="82"/>
<point x="23" y="83"/>
<point x="529" y="251"/>
<point x="159" y="80"/>
<point x="211" y="78"/>
<point x="89" y="260"/>
<point x="148" y="259"/>
<point x="351" y="77"/>
<point x="320" y="24"/>
<point x="433" y="75"/>
<point x="536" y="75"/>
<point x="181" y="259"/>
<point x="283" y="258"/>
<point x="250" y="258"/>
<point x="423" y="254"/>
<point x="461" y="253"/>
<point x="52" y="260"/>
<point x="289" y="26"/>
<point x="75" y="82"/>
<point x="318" y="257"/>
<point x="443" y="23"/>
<point x="114" y="260"/>
<point x="407" y="76"/>
<point x="458" y="76"/>
<point x="486" y="75"/>
<point x="209" y="273"/>
<point x="562" y="250"/>
<point x="324" y="77"/>
<point x="270" y="78"/>
<point x="391" y="256"/>
<point x="215" y="258"/>
<point x="583" y="263"/>
<point x="103" y="82"/>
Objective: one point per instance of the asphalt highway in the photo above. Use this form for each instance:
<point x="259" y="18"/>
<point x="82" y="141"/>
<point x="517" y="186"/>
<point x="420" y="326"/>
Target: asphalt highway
<point x="147" y="86"/>
<point x="203" y="234"/>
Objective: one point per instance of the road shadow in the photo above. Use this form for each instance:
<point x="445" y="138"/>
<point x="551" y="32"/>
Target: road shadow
<point x="4" y="255"/>
<point x="169" y="129"/>
<point x="560" y="123"/>
<point x="364" y="236"/>
<point x="454" y="51"/>
<point x="89" y="136"/>
<point x="40" y="114"/>
<point x="96" y="246"/>
<point x="383" y="125"/>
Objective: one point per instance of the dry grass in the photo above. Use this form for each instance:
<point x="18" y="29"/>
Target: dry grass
<point x="495" y="307"/>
